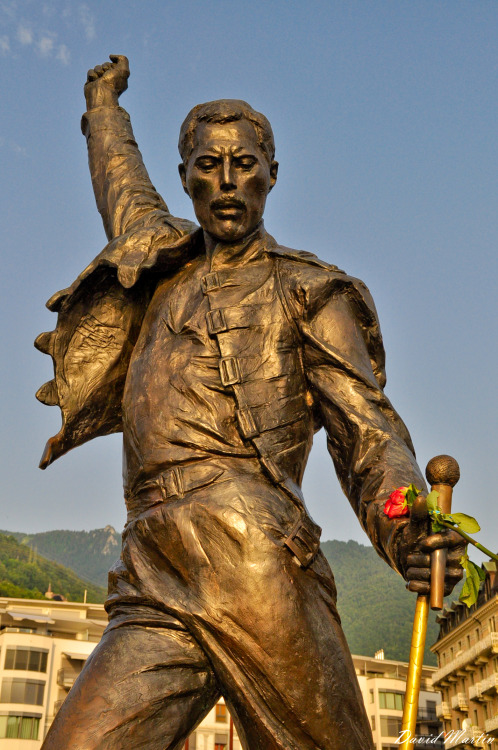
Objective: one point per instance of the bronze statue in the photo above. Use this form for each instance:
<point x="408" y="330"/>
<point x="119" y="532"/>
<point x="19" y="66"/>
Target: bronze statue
<point x="219" y="353"/>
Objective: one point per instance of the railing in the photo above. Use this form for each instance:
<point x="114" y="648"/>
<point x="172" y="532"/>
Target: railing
<point x="475" y="692"/>
<point x="489" y="643"/>
<point x="460" y="702"/>
<point x="66" y="677"/>
<point x="490" y="684"/>
<point x="427" y="716"/>
<point x="491" y="725"/>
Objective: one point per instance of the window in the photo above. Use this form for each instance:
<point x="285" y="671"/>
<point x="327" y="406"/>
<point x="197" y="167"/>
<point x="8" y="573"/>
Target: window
<point x="371" y="696"/>
<point x="391" y="700"/>
<point x="221" y="713"/>
<point x="19" y="727"/>
<point x="220" y="741"/>
<point x="430" y="707"/>
<point x="32" y="659"/>
<point x="372" y="718"/>
<point x="390" y="726"/>
<point x="22" y="691"/>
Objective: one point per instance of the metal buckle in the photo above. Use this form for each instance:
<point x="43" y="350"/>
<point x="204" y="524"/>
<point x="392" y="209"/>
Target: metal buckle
<point x="172" y="483"/>
<point x="230" y="371"/>
<point x="216" y="322"/>
<point x="210" y="281"/>
<point x="272" y="469"/>
<point x="247" y="423"/>
<point x="304" y="540"/>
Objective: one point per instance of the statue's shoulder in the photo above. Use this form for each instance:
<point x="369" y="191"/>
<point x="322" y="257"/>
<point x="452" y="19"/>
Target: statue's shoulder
<point x="301" y="259"/>
<point x="313" y="282"/>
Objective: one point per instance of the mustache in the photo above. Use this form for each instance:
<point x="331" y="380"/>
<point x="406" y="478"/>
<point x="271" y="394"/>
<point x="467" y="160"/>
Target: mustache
<point x="227" y="201"/>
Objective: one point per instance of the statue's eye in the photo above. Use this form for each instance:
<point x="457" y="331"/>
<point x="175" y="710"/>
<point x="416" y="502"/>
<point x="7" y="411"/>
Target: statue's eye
<point x="206" y="163"/>
<point x="245" y="162"/>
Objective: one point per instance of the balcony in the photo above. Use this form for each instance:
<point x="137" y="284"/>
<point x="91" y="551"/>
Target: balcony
<point x="475" y="692"/>
<point x="66" y="678"/>
<point x="479" y="652"/>
<point x="488" y="645"/>
<point x="491" y="726"/>
<point x="464" y="739"/>
<point x="443" y="710"/>
<point x="490" y="685"/>
<point x="427" y="717"/>
<point x="459" y="702"/>
<point x="57" y="705"/>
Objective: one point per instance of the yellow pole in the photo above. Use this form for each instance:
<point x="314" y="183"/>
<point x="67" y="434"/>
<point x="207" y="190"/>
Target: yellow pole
<point x="442" y="473"/>
<point x="414" y="671"/>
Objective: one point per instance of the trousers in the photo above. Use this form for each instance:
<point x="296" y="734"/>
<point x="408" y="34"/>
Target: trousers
<point x="207" y="600"/>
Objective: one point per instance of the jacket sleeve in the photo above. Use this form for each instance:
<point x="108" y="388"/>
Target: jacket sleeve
<point x="344" y="364"/>
<point x="100" y="314"/>
<point x="124" y="194"/>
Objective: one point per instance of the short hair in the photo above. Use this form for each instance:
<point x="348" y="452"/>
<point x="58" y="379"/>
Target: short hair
<point x="225" y="110"/>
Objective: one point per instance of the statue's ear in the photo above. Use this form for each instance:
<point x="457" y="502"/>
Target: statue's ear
<point x="183" y="176"/>
<point x="273" y="173"/>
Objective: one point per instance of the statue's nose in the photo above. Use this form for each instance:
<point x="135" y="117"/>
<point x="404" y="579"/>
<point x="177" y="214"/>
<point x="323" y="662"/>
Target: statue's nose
<point x="227" y="176"/>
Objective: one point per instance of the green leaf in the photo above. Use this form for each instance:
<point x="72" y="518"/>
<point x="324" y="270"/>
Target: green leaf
<point x="411" y="494"/>
<point x="474" y="576"/>
<point x="431" y="500"/>
<point x="465" y="522"/>
<point x="435" y="515"/>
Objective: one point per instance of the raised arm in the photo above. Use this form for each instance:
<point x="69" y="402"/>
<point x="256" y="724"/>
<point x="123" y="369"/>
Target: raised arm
<point x="126" y="198"/>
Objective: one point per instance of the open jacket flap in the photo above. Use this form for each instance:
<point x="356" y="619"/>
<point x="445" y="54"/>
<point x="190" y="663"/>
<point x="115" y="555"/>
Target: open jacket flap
<point x="99" y="319"/>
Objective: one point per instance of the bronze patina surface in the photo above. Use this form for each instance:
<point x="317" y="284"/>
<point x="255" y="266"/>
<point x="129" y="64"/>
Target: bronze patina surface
<point x="219" y="353"/>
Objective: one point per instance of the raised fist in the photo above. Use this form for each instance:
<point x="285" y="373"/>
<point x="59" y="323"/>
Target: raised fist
<point x="106" y="82"/>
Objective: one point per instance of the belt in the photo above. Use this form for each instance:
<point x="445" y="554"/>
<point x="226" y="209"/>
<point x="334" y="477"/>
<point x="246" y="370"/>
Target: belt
<point x="172" y="484"/>
<point x="303" y="541"/>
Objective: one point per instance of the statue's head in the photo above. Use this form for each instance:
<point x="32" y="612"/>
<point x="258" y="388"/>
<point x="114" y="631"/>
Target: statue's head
<point x="228" y="166"/>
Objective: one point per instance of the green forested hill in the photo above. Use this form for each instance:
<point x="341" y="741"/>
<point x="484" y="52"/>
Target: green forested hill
<point x="26" y="575"/>
<point x="375" y="607"/>
<point x="89" y="553"/>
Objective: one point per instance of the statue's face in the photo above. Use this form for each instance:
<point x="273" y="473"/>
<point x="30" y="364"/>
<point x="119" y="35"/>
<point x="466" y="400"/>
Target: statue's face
<point x="228" y="179"/>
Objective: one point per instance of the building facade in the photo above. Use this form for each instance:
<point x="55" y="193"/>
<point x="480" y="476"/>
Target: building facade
<point x="44" y="645"/>
<point x="382" y="683"/>
<point x="467" y="675"/>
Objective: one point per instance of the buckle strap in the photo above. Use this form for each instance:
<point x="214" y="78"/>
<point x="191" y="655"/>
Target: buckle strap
<point x="230" y="371"/>
<point x="217" y="280"/>
<point x="220" y="319"/>
<point x="176" y="482"/>
<point x="304" y="540"/>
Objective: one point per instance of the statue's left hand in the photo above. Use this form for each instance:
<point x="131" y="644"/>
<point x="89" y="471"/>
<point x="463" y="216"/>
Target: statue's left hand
<point x="415" y="547"/>
<point x="105" y="83"/>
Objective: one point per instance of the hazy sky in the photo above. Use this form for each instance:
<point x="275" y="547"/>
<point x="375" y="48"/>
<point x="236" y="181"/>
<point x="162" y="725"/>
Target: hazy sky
<point x="385" y="118"/>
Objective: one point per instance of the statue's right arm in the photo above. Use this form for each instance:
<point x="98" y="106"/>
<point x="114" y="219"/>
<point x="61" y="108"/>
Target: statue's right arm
<point x="122" y="187"/>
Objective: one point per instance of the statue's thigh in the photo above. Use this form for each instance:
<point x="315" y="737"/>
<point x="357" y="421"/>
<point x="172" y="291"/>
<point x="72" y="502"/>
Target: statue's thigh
<point x="142" y="687"/>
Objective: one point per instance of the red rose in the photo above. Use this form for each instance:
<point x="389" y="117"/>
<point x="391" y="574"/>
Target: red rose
<point x="397" y="506"/>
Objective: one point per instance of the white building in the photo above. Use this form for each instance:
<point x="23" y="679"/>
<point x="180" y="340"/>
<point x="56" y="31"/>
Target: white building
<point x="44" y="644"/>
<point x="382" y="683"/>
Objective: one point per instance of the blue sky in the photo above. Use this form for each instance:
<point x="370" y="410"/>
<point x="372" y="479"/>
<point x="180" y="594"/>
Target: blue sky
<point x="385" y="119"/>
